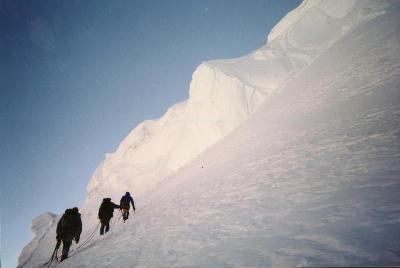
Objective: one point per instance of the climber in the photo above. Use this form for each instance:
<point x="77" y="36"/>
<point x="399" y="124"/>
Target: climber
<point x="125" y="202"/>
<point x="106" y="211"/>
<point x="69" y="227"/>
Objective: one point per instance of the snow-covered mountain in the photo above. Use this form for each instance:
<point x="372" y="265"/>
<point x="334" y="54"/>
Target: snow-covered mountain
<point x="287" y="156"/>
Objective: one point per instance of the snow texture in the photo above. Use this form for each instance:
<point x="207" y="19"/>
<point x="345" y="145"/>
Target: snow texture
<point x="41" y="226"/>
<point x="288" y="156"/>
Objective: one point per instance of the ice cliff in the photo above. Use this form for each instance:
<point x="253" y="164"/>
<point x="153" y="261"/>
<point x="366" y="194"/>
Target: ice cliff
<point x="222" y="94"/>
<point x="298" y="140"/>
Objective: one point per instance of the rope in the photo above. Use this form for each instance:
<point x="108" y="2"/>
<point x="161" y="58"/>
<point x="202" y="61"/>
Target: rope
<point x="120" y="215"/>
<point x="114" y="222"/>
<point x="84" y="243"/>
<point x="151" y="202"/>
<point x="49" y="262"/>
<point x="91" y="236"/>
<point x="162" y="196"/>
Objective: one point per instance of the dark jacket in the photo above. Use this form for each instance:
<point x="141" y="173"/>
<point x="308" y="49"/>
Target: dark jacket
<point x="126" y="200"/>
<point x="106" y="209"/>
<point x="69" y="226"/>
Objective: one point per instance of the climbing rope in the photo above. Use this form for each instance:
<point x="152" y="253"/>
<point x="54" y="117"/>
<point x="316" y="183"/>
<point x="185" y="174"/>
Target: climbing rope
<point x="86" y="241"/>
<point x="151" y="202"/>
<point x="114" y="222"/>
<point x="52" y="258"/>
<point x="91" y="236"/>
<point x="72" y="252"/>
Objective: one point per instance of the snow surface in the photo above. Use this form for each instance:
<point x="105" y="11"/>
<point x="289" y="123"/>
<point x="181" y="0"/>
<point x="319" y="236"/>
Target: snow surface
<point x="41" y="226"/>
<point x="288" y="156"/>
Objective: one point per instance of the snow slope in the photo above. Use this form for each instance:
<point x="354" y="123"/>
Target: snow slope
<point x="223" y="93"/>
<point x="308" y="176"/>
<point x="41" y="227"/>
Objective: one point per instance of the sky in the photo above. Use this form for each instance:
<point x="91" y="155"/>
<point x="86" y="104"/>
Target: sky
<point x="77" y="76"/>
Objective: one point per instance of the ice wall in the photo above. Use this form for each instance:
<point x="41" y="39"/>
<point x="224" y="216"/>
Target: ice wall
<point x="223" y="93"/>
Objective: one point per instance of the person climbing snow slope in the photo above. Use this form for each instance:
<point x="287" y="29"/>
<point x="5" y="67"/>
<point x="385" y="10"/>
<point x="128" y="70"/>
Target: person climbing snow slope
<point x="69" y="227"/>
<point x="106" y="212"/>
<point x="125" y="202"/>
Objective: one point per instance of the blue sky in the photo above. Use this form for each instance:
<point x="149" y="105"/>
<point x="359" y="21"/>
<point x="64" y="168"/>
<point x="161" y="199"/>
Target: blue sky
<point x="77" y="76"/>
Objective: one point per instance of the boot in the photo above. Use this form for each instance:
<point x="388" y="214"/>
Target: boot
<point x="63" y="257"/>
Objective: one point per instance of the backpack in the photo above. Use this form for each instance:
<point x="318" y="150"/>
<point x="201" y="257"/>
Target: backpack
<point x="106" y="209"/>
<point x="68" y="226"/>
<point x="125" y="202"/>
<point x="68" y="219"/>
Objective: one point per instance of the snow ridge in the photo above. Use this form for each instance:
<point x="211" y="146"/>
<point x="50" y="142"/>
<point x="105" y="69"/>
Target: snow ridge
<point x="40" y="226"/>
<point x="305" y="163"/>
<point x="222" y="95"/>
